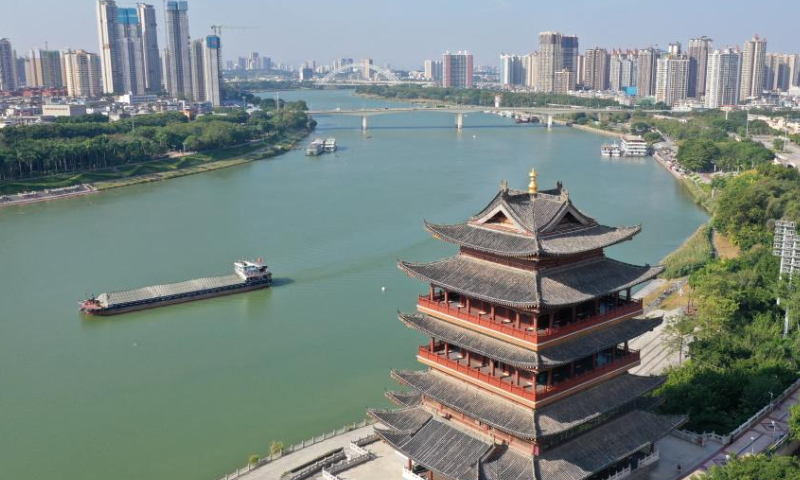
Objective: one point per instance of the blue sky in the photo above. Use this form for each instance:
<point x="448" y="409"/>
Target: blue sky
<point x="404" y="32"/>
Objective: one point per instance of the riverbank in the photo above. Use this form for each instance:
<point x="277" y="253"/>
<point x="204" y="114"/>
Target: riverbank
<point x="587" y="128"/>
<point x="146" y="172"/>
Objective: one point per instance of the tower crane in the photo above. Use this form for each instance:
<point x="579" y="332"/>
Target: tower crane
<point x="218" y="28"/>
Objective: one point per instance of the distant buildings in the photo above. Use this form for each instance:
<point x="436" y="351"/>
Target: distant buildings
<point x="722" y="79"/>
<point x="781" y="71"/>
<point x="558" y="62"/>
<point x="672" y="78"/>
<point x="8" y="67"/>
<point x="43" y="69"/>
<point x="212" y="67"/>
<point x="366" y="68"/>
<point x="530" y="63"/>
<point x="646" y="66"/>
<point x="512" y="70"/>
<point x="597" y="62"/>
<point x="122" y="50"/>
<point x="699" y="49"/>
<point x="753" y="63"/>
<point x="197" y="69"/>
<point x="83" y="74"/>
<point x="457" y="70"/>
<point x="150" y="52"/>
<point x="432" y="70"/>
<point x="622" y="71"/>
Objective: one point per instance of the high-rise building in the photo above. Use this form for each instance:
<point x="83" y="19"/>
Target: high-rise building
<point x="780" y="71"/>
<point x="150" y="52"/>
<point x="196" y="57"/>
<point x="366" y="68"/>
<point x="121" y="48"/>
<point x="254" y="61"/>
<point x="699" y="49"/>
<point x="212" y="63"/>
<point x="178" y="40"/>
<point x="569" y="58"/>
<point x="794" y="69"/>
<point x="674" y="48"/>
<point x="530" y="63"/>
<point x="83" y="74"/>
<point x="753" y="63"/>
<point x="722" y="79"/>
<point x="550" y="59"/>
<point x="562" y="80"/>
<point x="8" y="66"/>
<point x="672" y="78"/>
<point x="512" y="70"/>
<point x="433" y="70"/>
<point x="597" y="62"/>
<point x="43" y="69"/>
<point x="457" y="70"/>
<point x="110" y="55"/>
<point x="581" y="70"/>
<point x="20" y="67"/>
<point x="646" y="62"/>
<point x="622" y="68"/>
<point x="266" y="63"/>
<point x="132" y="52"/>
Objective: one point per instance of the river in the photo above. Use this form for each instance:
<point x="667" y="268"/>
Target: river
<point x="190" y="391"/>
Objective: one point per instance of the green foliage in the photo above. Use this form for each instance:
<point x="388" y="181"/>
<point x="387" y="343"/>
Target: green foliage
<point x="695" y="252"/>
<point x="778" y="144"/>
<point x="794" y="421"/>
<point x="473" y="96"/>
<point x="757" y="467"/>
<point x="88" y="144"/>
<point x="697" y="154"/>
<point x="253" y="459"/>
<point x="276" y="447"/>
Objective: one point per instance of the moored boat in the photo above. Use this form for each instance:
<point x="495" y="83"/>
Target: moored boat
<point x="315" y="148"/>
<point x="247" y="275"/>
<point x="330" y="145"/>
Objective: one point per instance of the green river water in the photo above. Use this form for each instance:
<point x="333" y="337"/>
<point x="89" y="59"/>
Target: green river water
<point x="190" y="391"/>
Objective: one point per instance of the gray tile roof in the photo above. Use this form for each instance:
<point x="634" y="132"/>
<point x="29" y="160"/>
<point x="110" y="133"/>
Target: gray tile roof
<point x="512" y="244"/>
<point x="402" y="419"/>
<point x="404" y="399"/>
<point x="523" y="422"/>
<point x="605" y="445"/>
<point x="519" y="357"/>
<point x="459" y="455"/>
<point x="439" y="447"/>
<point x="535" y="213"/>
<point x="515" y="287"/>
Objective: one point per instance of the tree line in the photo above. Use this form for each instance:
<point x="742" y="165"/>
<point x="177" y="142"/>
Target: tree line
<point x="93" y="142"/>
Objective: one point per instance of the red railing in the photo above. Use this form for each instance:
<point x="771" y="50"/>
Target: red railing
<point x="540" y="392"/>
<point x="462" y="313"/>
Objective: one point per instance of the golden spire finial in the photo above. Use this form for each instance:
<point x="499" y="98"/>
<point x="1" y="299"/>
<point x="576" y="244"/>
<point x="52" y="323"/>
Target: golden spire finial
<point x="532" y="187"/>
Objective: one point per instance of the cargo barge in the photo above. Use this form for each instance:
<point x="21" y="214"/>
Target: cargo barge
<point x="246" y="276"/>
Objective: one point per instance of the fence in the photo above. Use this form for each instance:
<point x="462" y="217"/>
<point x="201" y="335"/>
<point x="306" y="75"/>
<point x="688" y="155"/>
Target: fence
<point x="703" y="438"/>
<point x="299" y="446"/>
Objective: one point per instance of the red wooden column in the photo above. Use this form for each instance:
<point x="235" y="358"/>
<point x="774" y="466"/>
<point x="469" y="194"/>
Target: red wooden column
<point x="492" y="365"/>
<point x="551" y="319"/>
<point x="516" y="320"/>
<point x="549" y="378"/>
<point x="492" y="313"/>
<point x="431" y="293"/>
<point x="535" y="322"/>
<point x="468" y="358"/>
<point x="409" y="464"/>
<point x="468" y="304"/>
<point x="446" y="350"/>
<point x="516" y="377"/>
<point x="432" y="344"/>
<point x="446" y="297"/>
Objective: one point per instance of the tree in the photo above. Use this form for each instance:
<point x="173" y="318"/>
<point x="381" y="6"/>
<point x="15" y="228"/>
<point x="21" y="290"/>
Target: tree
<point x="253" y="459"/>
<point x="697" y="155"/>
<point x="678" y="333"/>
<point x="794" y="421"/>
<point x="276" y="447"/>
<point x="757" y="467"/>
<point x="778" y="144"/>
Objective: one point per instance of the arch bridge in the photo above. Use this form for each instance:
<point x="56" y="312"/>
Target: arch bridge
<point x="390" y="77"/>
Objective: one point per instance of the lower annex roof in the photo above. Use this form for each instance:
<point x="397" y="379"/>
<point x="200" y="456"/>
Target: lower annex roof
<point x="519" y="288"/>
<point x="462" y="456"/>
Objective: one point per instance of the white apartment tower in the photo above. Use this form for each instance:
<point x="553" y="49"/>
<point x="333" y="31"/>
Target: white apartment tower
<point x="121" y="48"/>
<point x="672" y="79"/>
<point x="212" y="68"/>
<point x="198" y="72"/>
<point x="550" y="60"/>
<point x="753" y="63"/>
<point x="646" y="63"/>
<point x="722" y="80"/>
<point x="512" y="70"/>
<point x="178" y="44"/>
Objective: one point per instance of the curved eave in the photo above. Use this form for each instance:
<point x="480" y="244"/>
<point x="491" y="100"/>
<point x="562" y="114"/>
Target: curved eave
<point x="623" y="234"/>
<point x="444" y="233"/>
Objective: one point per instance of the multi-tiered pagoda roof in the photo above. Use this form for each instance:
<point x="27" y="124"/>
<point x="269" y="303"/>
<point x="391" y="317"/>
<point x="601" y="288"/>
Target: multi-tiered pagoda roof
<point x="529" y="327"/>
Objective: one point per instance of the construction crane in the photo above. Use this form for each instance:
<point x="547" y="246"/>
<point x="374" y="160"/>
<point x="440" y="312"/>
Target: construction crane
<point x="218" y="28"/>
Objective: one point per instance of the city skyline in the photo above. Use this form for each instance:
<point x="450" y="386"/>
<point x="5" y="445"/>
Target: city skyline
<point x="391" y="41"/>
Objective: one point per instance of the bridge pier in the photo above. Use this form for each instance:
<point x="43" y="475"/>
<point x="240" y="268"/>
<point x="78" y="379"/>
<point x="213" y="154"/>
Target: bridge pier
<point x="364" y="123"/>
<point x="459" y="121"/>
<point x="549" y="121"/>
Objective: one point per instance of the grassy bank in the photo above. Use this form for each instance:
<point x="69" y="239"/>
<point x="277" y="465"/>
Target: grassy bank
<point x="701" y="195"/>
<point x="692" y="255"/>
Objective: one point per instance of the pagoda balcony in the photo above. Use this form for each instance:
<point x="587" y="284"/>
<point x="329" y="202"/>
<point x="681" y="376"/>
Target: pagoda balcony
<point x="526" y="331"/>
<point x="509" y="379"/>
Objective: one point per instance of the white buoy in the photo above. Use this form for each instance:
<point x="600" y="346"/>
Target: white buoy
<point x="474" y="137"/>
<point x="383" y="289"/>
<point x="135" y="344"/>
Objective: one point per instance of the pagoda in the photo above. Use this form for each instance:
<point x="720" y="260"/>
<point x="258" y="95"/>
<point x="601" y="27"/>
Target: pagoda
<point x="528" y="353"/>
